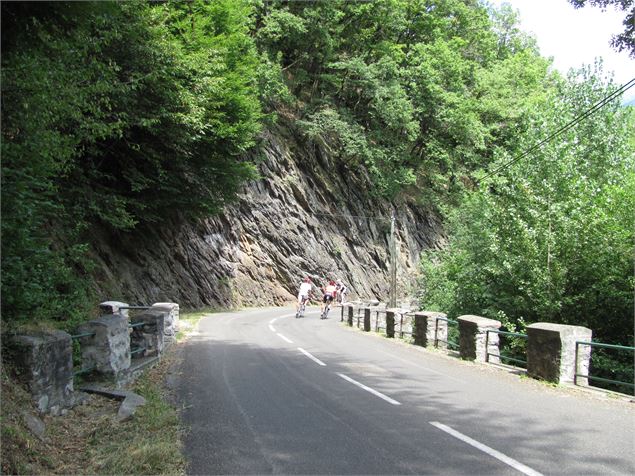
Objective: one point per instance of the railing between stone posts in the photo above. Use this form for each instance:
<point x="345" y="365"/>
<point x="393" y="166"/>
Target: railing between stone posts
<point x="500" y="354"/>
<point x="554" y="352"/>
<point x="586" y="375"/>
<point x="380" y="325"/>
<point x="444" y="337"/>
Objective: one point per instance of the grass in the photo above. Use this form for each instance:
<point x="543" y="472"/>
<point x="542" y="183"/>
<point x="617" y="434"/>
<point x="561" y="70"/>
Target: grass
<point x="189" y="320"/>
<point x="147" y="444"/>
<point x="88" y="439"/>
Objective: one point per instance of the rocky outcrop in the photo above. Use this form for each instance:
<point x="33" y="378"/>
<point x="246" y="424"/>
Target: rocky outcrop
<point x="303" y="217"/>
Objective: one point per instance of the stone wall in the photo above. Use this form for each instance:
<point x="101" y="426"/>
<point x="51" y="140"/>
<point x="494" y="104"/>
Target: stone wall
<point x="44" y="364"/>
<point x="44" y="359"/>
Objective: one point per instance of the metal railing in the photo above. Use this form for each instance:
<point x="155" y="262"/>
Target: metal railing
<point x="452" y="344"/>
<point x="500" y="355"/>
<point x="401" y="331"/>
<point x="618" y="383"/>
<point x="134" y="325"/>
<point x="377" y="312"/>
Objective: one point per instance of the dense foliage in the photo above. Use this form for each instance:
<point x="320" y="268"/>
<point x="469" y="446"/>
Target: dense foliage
<point x="419" y="93"/>
<point x="117" y="114"/>
<point x="550" y="237"/>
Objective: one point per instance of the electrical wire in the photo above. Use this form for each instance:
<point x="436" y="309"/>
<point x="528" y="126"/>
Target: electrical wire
<point x="592" y="110"/>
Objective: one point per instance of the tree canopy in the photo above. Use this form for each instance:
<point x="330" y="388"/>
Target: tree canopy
<point x="120" y="114"/>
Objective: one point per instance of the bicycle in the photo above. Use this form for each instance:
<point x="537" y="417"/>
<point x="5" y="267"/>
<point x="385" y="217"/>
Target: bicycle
<point x="302" y="307"/>
<point x="327" y="308"/>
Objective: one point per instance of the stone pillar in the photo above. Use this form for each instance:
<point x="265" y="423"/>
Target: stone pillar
<point x="426" y="330"/>
<point x="44" y="361"/>
<point x="551" y="352"/>
<point x="473" y="339"/>
<point x="150" y="335"/>
<point x="113" y="307"/>
<point x="108" y="350"/>
<point x="366" y="319"/>
<point x="171" y="321"/>
<point x="349" y="319"/>
<point x="390" y="323"/>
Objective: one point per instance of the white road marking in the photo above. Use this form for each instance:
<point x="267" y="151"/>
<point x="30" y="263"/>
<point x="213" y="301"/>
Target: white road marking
<point x="285" y="338"/>
<point x="486" y="449"/>
<point x="368" y="389"/>
<point x="271" y="328"/>
<point x="313" y="358"/>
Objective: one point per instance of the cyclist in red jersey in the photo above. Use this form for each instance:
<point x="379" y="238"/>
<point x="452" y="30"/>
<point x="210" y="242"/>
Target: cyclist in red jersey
<point x="329" y="294"/>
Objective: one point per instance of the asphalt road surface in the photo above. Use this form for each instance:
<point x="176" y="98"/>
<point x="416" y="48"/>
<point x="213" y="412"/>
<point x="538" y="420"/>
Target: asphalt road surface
<point x="262" y="392"/>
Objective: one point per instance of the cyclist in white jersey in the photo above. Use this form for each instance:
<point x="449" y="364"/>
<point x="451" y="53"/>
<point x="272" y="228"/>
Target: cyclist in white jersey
<point x="342" y="291"/>
<point x="304" y="292"/>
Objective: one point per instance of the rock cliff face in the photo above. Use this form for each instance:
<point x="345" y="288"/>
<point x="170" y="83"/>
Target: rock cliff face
<point x="302" y="218"/>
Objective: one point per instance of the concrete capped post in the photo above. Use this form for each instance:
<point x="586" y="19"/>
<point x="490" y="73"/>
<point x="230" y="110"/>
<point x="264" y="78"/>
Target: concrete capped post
<point x="474" y="341"/>
<point x="150" y="335"/>
<point x="366" y="319"/>
<point x="171" y="321"/>
<point x="390" y="322"/>
<point x="44" y="360"/>
<point x="113" y="307"/>
<point x="551" y="352"/>
<point x="108" y="350"/>
<point x="426" y="329"/>
<point x="349" y="319"/>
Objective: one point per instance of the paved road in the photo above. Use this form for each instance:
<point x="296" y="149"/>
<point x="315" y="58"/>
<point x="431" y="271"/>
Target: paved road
<point x="264" y="393"/>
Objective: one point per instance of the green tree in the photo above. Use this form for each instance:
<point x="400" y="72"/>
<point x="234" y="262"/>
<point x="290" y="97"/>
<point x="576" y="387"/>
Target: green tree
<point x="410" y="91"/>
<point x="551" y="237"/>
<point x="114" y="115"/>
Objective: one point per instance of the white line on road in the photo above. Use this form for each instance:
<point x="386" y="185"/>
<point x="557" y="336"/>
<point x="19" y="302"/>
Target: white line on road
<point x="486" y="449"/>
<point x="368" y="389"/>
<point x="271" y="328"/>
<point x="285" y="338"/>
<point x="313" y="358"/>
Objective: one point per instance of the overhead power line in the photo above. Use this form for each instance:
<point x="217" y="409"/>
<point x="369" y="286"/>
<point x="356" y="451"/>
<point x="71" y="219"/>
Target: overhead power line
<point x="592" y="110"/>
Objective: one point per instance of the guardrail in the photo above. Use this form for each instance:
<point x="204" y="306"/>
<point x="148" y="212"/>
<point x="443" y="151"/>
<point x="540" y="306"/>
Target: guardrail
<point x="134" y="325"/>
<point x="500" y="355"/>
<point x="377" y="312"/>
<point x="453" y="344"/>
<point x="401" y="331"/>
<point x="618" y="383"/>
